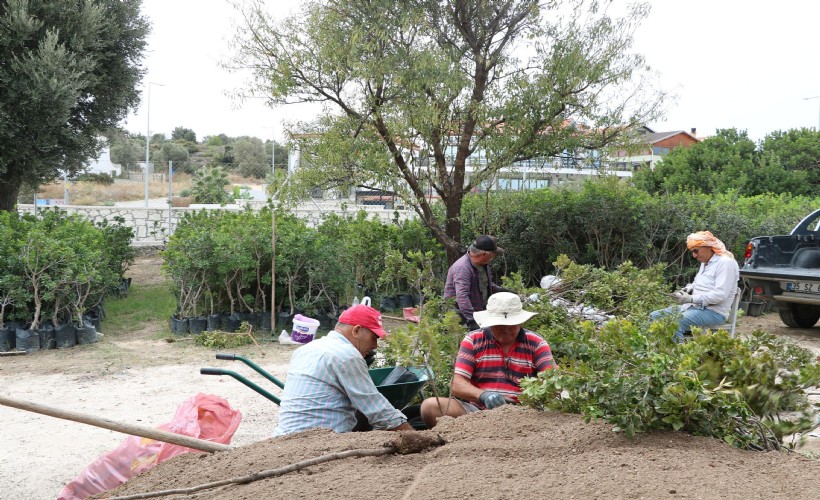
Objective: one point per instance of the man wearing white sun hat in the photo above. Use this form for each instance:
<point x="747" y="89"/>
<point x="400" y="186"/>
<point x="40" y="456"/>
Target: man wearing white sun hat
<point x="491" y="361"/>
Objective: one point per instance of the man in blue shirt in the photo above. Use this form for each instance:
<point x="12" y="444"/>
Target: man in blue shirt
<point x="328" y="380"/>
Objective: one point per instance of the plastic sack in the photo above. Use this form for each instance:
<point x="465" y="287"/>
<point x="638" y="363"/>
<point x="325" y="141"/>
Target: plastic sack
<point x="411" y="314"/>
<point x="203" y="416"/>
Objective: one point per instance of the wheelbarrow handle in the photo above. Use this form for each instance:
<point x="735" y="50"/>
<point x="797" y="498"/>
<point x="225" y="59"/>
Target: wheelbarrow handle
<point x="241" y="378"/>
<point x="213" y="371"/>
<point x="256" y="368"/>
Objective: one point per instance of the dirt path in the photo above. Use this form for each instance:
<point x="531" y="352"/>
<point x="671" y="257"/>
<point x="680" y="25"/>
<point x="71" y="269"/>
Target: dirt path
<point x="136" y="378"/>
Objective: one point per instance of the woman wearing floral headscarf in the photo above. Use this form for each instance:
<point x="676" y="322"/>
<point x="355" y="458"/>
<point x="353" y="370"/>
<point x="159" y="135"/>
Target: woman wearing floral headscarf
<point x="708" y="299"/>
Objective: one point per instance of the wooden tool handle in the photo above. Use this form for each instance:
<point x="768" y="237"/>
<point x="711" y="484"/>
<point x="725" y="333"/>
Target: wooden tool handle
<point x="134" y="430"/>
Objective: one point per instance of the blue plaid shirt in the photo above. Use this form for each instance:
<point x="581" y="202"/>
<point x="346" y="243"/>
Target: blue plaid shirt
<point x="327" y="381"/>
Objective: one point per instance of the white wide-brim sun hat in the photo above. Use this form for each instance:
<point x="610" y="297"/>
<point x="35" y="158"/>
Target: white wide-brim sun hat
<point x="503" y="308"/>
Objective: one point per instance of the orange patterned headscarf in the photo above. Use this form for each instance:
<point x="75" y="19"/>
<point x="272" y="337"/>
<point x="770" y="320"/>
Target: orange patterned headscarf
<point x="707" y="239"/>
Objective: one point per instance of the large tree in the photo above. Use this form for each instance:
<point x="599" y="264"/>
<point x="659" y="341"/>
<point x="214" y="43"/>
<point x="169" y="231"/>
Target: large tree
<point x="68" y="73"/>
<point x="729" y="160"/>
<point x="416" y="88"/>
<point x="798" y="149"/>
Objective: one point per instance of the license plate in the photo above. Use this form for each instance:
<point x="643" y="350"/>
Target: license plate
<point x="805" y="287"/>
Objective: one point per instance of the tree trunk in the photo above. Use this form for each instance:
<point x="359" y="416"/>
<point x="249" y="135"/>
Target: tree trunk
<point x="453" y="229"/>
<point x="8" y="196"/>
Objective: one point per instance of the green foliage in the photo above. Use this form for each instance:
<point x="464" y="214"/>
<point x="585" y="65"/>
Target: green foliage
<point x="433" y="342"/>
<point x="409" y="106"/>
<point x="606" y="223"/>
<point x="58" y="265"/>
<point x="209" y="186"/>
<point x="183" y="134"/>
<point x="223" y="340"/>
<point x="633" y="376"/>
<point x="177" y="153"/>
<point x="726" y="161"/>
<point x="70" y="72"/>
<point x="625" y="291"/>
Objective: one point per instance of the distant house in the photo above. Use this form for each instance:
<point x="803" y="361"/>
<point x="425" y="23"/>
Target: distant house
<point x="657" y="145"/>
<point x="102" y="164"/>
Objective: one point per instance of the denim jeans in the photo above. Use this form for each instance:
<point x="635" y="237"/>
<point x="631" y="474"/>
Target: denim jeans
<point x="694" y="316"/>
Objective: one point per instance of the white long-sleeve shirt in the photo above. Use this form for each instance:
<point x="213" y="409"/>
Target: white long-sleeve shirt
<point x="715" y="284"/>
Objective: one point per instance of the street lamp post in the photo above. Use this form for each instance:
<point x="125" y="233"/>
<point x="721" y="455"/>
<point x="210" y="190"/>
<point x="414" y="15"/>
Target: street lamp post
<point x="818" y="120"/>
<point x="148" y="138"/>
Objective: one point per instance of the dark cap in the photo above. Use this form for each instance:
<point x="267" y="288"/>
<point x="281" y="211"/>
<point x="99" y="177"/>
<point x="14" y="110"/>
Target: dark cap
<point x="487" y="243"/>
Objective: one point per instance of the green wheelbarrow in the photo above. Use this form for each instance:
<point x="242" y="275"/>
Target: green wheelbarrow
<point x="398" y="384"/>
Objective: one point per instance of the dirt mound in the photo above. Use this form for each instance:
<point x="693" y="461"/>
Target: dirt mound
<point x="511" y="452"/>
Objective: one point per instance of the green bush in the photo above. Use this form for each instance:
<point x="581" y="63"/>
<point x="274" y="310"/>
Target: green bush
<point x="56" y="266"/>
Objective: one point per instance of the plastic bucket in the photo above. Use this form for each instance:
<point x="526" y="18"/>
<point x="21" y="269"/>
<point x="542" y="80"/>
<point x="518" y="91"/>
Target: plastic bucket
<point x="304" y="329"/>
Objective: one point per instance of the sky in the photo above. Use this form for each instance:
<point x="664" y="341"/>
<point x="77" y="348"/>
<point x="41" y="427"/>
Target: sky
<point x="747" y="64"/>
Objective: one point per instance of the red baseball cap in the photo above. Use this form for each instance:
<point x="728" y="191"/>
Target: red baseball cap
<point x="365" y="316"/>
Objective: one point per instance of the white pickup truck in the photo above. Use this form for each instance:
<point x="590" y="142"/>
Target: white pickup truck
<point x="785" y="270"/>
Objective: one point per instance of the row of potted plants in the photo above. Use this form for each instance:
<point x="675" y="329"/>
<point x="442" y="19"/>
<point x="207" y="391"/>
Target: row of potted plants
<point x="221" y="262"/>
<point x="54" y="270"/>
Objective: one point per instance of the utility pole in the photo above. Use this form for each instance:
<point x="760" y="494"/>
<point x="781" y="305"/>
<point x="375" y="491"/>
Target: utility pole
<point x="148" y="138"/>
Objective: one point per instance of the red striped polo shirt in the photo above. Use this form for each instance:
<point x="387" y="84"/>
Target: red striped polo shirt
<point x="481" y="360"/>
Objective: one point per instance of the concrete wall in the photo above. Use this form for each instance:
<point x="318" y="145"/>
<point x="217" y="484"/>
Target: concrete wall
<point x="151" y="224"/>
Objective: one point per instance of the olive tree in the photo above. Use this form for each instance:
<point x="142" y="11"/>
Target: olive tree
<point x="69" y="73"/>
<point x="432" y="98"/>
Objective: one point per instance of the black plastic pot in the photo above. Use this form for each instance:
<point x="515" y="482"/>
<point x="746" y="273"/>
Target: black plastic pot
<point x="11" y="336"/>
<point x="264" y="321"/>
<point x="27" y="340"/>
<point x="214" y="322"/>
<point x="197" y="325"/>
<point x="249" y="318"/>
<point x="86" y="333"/>
<point x="387" y="304"/>
<point x="47" y="338"/>
<point x="231" y="322"/>
<point x="326" y="321"/>
<point x="4" y="339"/>
<point x="179" y="326"/>
<point x="65" y="336"/>
<point x="405" y="300"/>
<point x="94" y="320"/>
<point x="284" y="321"/>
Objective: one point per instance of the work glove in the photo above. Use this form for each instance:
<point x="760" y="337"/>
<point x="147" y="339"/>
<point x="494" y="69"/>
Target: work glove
<point x="688" y="288"/>
<point x="682" y="297"/>
<point x="491" y="399"/>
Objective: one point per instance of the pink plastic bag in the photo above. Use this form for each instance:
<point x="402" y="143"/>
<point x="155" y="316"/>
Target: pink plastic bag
<point x="203" y="416"/>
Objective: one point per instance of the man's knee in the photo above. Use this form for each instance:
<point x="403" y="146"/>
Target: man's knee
<point x="433" y="408"/>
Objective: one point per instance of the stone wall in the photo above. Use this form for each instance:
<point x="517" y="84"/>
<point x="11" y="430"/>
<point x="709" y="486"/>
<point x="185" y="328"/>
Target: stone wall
<point x="151" y="224"/>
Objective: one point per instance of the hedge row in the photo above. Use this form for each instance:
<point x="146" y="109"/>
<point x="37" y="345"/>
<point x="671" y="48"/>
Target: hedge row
<point x="606" y="223"/>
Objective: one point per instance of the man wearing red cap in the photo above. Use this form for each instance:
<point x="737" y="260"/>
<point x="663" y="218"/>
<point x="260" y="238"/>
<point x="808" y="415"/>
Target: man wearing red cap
<point x="708" y="299"/>
<point x="328" y="381"/>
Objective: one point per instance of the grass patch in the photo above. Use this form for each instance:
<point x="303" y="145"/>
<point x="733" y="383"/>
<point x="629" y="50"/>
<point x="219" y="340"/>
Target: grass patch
<point x="145" y="305"/>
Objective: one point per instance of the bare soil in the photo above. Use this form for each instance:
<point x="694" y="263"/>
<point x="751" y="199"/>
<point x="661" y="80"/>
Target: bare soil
<point x="512" y="452"/>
